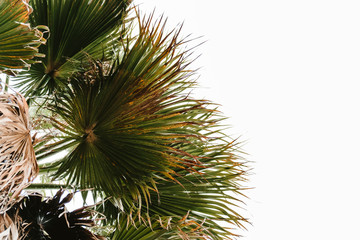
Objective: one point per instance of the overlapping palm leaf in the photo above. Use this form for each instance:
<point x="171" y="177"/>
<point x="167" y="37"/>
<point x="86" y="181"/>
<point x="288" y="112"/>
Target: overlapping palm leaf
<point x="136" y="231"/>
<point x="134" y="134"/>
<point x="77" y="28"/>
<point x="210" y="200"/>
<point x="118" y="104"/>
<point x="160" y="230"/>
<point x="121" y="118"/>
<point x="19" y="41"/>
<point x="47" y="218"/>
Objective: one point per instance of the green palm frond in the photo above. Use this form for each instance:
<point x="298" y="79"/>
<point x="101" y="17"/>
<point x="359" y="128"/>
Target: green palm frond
<point x="77" y="28"/>
<point x="121" y="118"/>
<point x="19" y="41"/>
<point x="136" y="231"/>
<point x="43" y="219"/>
<point x="134" y="134"/>
<point x="117" y="107"/>
<point x="211" y="199"/>
<point x="159" y="229"/>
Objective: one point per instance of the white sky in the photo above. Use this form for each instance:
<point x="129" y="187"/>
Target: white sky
<point x="287" y="74"/>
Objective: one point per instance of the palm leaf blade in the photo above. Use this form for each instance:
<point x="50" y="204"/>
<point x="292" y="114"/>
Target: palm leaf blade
<point x="77" y="28"/>
<point x="18" y="41"/>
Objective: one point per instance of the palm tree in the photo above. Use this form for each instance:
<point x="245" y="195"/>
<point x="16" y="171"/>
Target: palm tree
<point x="109" y="98"/>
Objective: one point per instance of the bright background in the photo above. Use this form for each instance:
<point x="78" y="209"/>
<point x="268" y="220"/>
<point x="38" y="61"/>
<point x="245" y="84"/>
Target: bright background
<point x="287" y="74"/>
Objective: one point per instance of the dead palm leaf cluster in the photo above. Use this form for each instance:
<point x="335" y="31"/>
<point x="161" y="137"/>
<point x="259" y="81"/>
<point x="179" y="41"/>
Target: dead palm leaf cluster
<point x="9" y="229"/>
<point x="18" y="166"/>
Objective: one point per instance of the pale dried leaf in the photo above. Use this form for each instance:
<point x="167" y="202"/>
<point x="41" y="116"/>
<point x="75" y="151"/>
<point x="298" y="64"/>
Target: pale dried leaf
<point x="18" y="165"/>
<point x="8" y="228"/>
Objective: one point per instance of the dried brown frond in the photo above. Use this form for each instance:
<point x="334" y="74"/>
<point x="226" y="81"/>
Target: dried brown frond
<point x="18" y="165"/>
<point x="9" y="229"/>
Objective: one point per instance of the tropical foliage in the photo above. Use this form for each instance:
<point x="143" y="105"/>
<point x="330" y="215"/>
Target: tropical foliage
<point x="48" y="219"/>
<point x="112" y="116"/>
<point x="78" y="28"/>
<point x="19" y="41"/>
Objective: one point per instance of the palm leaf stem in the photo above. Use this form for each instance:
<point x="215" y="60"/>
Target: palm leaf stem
<point x="40" y="186"/>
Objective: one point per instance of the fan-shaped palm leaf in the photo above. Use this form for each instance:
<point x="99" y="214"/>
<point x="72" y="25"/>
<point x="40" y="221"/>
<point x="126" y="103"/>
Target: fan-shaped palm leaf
<point x="121" y="118"/>
<point x="48" y="218"/>
<point x="19" y="41"/>
<point x="210" y="200"/>
<point x="76" y="27"/>
<point x="133" y="133"/>
<point x="17" y="159"/>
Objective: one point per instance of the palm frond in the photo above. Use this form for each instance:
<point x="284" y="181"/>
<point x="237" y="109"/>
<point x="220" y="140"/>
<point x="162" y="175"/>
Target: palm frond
<point x="19" y="41"/>
<point x="136" y="231"/>
<point x="212" y="199"/>
<point x="18" y="166"/>
<point x="47" y="218"/>
<point x="77" y="28"/>
<point x="9" y="228"/>
<point x="160" y="229"/>
<point x="120" y="118"/>
<point x="134" y="134"/>
<point x="119" y="105"/>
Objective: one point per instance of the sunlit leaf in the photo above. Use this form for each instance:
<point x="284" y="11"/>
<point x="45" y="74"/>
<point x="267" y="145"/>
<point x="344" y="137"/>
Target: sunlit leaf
<point x="19" y="41"/>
